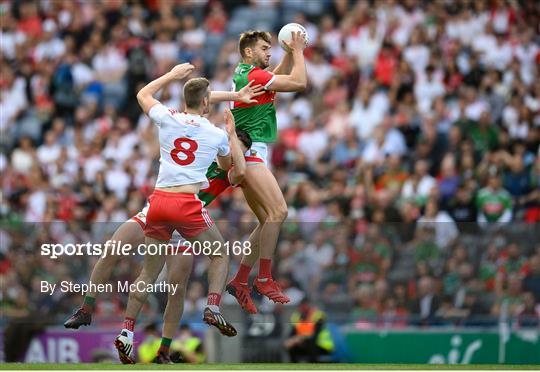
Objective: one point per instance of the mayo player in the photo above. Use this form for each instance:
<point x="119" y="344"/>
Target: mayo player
<point x="260" y="187"/>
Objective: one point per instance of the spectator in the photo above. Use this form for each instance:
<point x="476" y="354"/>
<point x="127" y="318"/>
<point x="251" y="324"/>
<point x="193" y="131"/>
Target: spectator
<point x="494" y="203"/>
<point x="511" y="298"/>
<point x="462" y="209"/>
<point x="24" y="156"/>
<point x="367" y="112"/>
<point x="427" y="89"/>
<point x="531" y="282"/>
<point x="420" y="185"/>
<point x="427" y="303"/>
<point x="445" y="228"/>
<point x="51" y="47"/>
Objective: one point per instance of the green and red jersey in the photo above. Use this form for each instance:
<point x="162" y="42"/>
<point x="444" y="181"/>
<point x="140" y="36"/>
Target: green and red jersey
<point x="258" y="119"/>
<point x="218" y="181"/>
<point x="493" y="204"/>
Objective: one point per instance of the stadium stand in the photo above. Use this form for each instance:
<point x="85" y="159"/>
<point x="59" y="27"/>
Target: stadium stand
<point x="410" y="165"/>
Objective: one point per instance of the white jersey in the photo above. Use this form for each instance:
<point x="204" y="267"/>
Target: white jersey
<point x="188" y="145"/>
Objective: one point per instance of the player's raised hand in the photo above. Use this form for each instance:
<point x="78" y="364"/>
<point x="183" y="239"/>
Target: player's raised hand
<point x="230" y="125"/>
<point x="298" y="42"/>
<point x="247" y="93"/>
<point x="182" y="70"/>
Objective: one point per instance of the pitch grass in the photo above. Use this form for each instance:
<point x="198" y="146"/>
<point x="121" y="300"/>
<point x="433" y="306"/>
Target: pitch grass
<point x="260" y="366"/>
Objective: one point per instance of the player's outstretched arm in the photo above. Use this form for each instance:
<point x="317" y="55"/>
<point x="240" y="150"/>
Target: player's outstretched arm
<point x="296" y="81"/>
<point x="145" y="97"/>
<point x="245" y="95"/>
<point x="236" y="176"/>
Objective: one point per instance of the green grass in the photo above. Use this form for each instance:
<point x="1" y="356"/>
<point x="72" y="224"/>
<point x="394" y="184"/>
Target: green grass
<point x="257" y="366"/>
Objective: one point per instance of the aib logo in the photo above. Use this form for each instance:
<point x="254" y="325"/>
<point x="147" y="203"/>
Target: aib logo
<point x="454" y="354"/>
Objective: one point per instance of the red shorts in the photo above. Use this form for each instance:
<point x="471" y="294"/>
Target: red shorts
<point x="171" y="211"/>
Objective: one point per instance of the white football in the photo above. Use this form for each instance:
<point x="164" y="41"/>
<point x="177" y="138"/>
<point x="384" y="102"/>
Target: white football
<point x="285" y="34"/>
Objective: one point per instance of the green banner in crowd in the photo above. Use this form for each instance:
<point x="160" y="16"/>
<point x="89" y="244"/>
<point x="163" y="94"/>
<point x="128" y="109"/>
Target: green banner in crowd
<point x="443" y="346"/>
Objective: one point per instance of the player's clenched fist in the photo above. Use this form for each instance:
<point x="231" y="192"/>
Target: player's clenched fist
<point x="182" y="70"/>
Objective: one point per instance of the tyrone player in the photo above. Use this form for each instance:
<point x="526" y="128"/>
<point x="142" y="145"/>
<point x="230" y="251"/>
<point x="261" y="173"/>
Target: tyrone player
<point x="188" y="145"/>
<point x="178" y="266"/>
<point x="260" y="187"/>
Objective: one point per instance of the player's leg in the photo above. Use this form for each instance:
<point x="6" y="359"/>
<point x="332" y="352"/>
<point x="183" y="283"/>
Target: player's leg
<point x="238" y="286"/>
<point x="152" y="266"/>
<point x="255" y="236"/>
<point x="178" y="272"/>
<point x="130" y="232"/>
<point x="217" y="276"/>
<point x="250" y="259"/>
<point x="260" y="186"/>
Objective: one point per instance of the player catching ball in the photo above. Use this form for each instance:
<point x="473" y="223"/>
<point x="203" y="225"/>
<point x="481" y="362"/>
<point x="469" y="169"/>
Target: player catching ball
<point x="260" y="187"/>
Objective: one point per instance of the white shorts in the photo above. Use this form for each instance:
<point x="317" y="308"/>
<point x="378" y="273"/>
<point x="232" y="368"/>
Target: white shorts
<point x="258" y="153"/>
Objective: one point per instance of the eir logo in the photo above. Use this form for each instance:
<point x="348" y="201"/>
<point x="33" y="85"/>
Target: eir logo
<point x="454" y="354"/>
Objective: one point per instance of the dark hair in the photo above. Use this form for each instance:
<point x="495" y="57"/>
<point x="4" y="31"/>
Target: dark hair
<point x="244" y="137"/>
<point x="249" y="38"/>
<point x="194" y="91"/>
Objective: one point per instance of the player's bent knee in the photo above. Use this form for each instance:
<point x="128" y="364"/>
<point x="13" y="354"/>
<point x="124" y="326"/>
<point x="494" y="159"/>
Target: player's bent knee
<point x="278" y="213"/>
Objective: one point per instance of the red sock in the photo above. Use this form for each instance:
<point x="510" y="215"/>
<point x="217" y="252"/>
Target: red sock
<point x="129" y="324"/>
<point x="265" y="268"/>
<point x="214" y="299"/>
<point x="242" y="276"/>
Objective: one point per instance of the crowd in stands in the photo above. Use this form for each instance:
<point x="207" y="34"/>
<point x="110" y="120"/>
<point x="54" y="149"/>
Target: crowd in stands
<point x="410" y="165"/>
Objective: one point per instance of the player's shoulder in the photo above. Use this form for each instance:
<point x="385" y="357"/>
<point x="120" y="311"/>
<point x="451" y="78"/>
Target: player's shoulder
<point x="212" y="129"/>
<point x="171" y="110"/>
<point x="258" y="70"/>
<point x="243" y="68"/>
<point x="163" y="111"/>
<point x="163" y="107"/>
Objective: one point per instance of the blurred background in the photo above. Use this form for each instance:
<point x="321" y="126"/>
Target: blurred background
<point x="410" y="165"/>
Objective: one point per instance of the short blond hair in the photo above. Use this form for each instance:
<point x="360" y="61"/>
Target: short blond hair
<point x="194" y="91"/>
